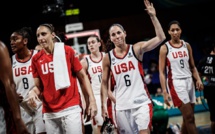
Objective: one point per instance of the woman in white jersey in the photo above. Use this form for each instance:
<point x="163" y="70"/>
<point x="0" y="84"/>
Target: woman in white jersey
<point x="20" y="40"/>
<point x="92" y="65"/>
<point x="177" y="70"/>
<point x="133" y="102"/>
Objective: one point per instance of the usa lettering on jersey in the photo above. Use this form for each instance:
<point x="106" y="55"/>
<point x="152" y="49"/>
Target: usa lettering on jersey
<point x="22" y="71"/>
<point x="47" y="67"/>
<point x="97" y="69"/>
<point x="179" y="54"/>
<point x="124" y="67"/>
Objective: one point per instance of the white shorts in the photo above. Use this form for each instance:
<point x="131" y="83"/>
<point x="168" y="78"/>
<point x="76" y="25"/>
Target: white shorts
<point x="69" y="124"/>
<point x="35" y="123"/>
<point x="182" y="90"/>
<point x="98" y="119"/>
<point x="133" y="120"/>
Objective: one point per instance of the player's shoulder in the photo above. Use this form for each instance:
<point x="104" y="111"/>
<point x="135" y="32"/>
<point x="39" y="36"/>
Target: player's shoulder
<point x="38" y="54"/>
<point x="67" y="46"/>
<point x="69" y="49"/>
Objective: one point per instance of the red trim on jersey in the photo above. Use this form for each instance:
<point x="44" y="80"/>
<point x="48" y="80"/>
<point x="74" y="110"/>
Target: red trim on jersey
<point x="175" y="99"/>
<point x="151" y="114"/>
<point x="94" y="60"/>
<point x="181" y="43"/>
<point x="26" y="60"/>
<point x="114" y="53"/>
<point x="140" y="68"/>
<point x="110" y="111"/>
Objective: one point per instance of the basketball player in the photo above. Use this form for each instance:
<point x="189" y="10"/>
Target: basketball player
<point x="177" y="70"/>
<point x="92" y="65"/>
<point x="61" y="101"/>
<point x="22" y="74"/>
<point x="133" y="102"/>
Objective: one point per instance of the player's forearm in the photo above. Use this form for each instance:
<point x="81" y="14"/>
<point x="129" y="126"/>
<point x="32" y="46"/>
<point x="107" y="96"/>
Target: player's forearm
<point x="110" y="95"/>
<point x="158" y="28"/>
<point x="163" y="82"/>
<point x="104" y="94"/>
<point x="196" y="74"/>
<point x="35" y="90"/>
<point x="87" y="90"/>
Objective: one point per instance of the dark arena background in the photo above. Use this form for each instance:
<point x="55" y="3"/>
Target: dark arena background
<point x="196" y="17"/>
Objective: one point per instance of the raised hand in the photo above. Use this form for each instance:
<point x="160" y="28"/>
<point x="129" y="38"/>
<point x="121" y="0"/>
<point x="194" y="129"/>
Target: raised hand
<point x="149" y="8"/>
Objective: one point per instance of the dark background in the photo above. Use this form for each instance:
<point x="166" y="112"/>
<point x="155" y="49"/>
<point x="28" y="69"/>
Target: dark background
<point x="196" y="17"/>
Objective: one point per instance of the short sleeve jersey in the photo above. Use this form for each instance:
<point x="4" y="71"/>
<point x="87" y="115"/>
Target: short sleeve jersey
<point x="43" y="68"/>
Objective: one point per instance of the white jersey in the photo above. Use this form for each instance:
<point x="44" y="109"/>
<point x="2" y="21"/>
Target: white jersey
<point x="178" y="61"/>
<point x="130" y="91"/>
<point x="95" y="73"/>
<point x="22" y="74"/>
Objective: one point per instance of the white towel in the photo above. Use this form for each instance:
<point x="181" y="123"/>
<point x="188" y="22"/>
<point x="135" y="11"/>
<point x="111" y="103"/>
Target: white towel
<point x="61" y="75"/>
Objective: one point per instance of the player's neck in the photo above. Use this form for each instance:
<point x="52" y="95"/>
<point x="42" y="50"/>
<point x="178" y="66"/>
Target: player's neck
<point x="175" y="42"/>
<point x="23" y="55"/>
<point x="96" y="56"/>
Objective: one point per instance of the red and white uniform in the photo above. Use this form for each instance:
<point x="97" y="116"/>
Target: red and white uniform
<point x="22" y="75"/>
<point x="57" y="100"/>
<point x="95" y="75"/>
<point x="111" y="105"/>
<point x="130" y="87"/>
<point x="179" y="76"/>
<point x="178" y="61"/>
<point x="133" y="103"/>
<point x="61" y="108"/>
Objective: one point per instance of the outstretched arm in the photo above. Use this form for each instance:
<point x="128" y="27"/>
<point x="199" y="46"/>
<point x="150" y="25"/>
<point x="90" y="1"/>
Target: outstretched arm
<point x="7" y="79"/>
<point x="145" y="46"/>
